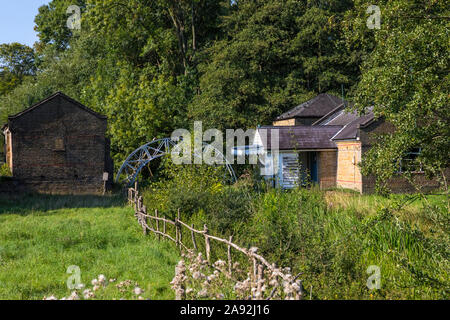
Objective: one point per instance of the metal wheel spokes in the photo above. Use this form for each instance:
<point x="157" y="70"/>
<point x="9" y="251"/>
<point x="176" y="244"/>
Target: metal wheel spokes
<point x="143" y="155"/>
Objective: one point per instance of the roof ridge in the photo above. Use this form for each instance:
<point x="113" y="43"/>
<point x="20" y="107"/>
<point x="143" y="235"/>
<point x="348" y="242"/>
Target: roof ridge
<point x="312" y="108"/>
<point x="59" y="93"/>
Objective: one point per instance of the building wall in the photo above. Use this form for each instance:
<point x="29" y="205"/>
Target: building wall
<point x="284" y="123"/>
<point x="398" y="183"/>
<point x="348" y="172"/>
<point x="327" y="169"/>
<point x="295" y="122"/>
<point x="59" y="148"/>
<point x="305" y="121"/>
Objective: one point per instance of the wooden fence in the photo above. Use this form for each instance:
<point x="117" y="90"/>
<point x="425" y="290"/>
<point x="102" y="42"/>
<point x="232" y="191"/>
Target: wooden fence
<point x="159" y="226"/>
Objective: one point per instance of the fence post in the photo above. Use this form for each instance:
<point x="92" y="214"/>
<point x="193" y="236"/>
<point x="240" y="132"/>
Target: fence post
<point x="157" y="224"/>
<point x="135" y="199"/>
<point x="180" y="231"/>
<point x="176" y="232"/>
<point x="164" y="225"/>
<point x="253" y="251"/>
<point x="207" y="244"/>
<point x="260" y="281"/>
<point x="144" y="220"/>
<point x="229" y="255"/>
<point x="193" y="237"/>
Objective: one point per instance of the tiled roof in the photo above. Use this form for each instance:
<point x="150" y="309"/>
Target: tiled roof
<point x="314" y="108"/>
<point x="350" y="131"/>
<point x="302" y="137"/>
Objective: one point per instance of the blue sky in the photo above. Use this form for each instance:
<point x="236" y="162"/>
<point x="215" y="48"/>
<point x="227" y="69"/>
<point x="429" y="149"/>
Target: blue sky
<point x="17" y="20"/>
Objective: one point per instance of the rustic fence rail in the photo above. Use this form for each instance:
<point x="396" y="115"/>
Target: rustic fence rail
<point x="153" y="224"/>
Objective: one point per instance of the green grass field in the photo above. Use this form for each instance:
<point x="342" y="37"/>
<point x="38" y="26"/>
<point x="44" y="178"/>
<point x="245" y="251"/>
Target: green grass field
<point x="41" y="236"/>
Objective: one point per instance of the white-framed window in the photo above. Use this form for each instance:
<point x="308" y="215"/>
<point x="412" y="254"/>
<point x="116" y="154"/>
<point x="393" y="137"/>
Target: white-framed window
<point x="409" y="162"/>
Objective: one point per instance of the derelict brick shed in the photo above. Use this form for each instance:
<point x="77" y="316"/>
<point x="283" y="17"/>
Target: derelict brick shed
<point x="58" y="146"/>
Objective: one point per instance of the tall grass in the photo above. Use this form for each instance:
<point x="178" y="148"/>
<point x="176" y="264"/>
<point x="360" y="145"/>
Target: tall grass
<point x="332" y="237"/>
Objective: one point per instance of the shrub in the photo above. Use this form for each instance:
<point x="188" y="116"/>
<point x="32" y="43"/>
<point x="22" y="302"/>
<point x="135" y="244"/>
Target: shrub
<point x="196" y="190"/>
<point x="5" y="171"/>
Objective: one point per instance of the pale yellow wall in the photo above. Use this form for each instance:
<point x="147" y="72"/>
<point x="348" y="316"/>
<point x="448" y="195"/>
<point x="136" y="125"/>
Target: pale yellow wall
<point x="284" y="123"/>
<point x="348" y="172"/>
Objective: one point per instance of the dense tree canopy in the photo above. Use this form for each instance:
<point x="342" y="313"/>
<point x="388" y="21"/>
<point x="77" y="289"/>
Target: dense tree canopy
<point x="276" y="54"/>
<point x="406" y="79"/>
<point x="17" y="62"/>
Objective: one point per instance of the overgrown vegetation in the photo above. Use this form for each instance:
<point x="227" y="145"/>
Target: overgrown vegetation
<point x="5" y="172"/>
<point x="332" y="237"/>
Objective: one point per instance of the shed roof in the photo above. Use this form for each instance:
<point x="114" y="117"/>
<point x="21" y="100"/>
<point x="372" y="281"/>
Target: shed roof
<point x="339" y="116"/>
<point x="53" y="96"/>
<point x="350" y="131"/>
<point x="302" y="137"/>
<point x="314" y="108"/>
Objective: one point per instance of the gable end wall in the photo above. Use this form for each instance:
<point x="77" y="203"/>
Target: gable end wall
<point x="38" y="159"/>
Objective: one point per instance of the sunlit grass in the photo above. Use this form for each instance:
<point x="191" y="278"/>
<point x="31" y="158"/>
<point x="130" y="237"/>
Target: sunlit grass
<point x="41" y="236"/>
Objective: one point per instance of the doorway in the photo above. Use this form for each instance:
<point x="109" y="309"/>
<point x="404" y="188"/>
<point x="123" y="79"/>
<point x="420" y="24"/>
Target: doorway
<point x="313" y="166"/>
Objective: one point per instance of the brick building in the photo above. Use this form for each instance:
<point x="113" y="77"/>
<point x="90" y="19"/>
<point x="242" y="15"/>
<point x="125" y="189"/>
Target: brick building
<point x="324" y="141"/>
<point x="58" y="146"/>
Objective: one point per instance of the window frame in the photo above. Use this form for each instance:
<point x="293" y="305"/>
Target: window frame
<point x="407" y="157"/>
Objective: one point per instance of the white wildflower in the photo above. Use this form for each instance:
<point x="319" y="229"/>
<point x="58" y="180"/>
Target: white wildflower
<point x="74" y="296"/>
<point x="101" y="279"/>
<point x="220" y="296"/>
<point x="87" y="294"/>
<point x="202" y="293"/>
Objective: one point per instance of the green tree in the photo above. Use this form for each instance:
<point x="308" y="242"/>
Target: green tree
<point x="405" y="78"/>
<point x="17" y="61"/>
<point x="275" y="54"/>
<point x="51" y="23"/>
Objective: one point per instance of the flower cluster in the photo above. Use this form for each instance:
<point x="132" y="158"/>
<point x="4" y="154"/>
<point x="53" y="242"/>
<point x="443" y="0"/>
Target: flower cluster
<point x="179" y="280"/>
<point x="196" y="279"/>
<point x="100" y="283"/>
